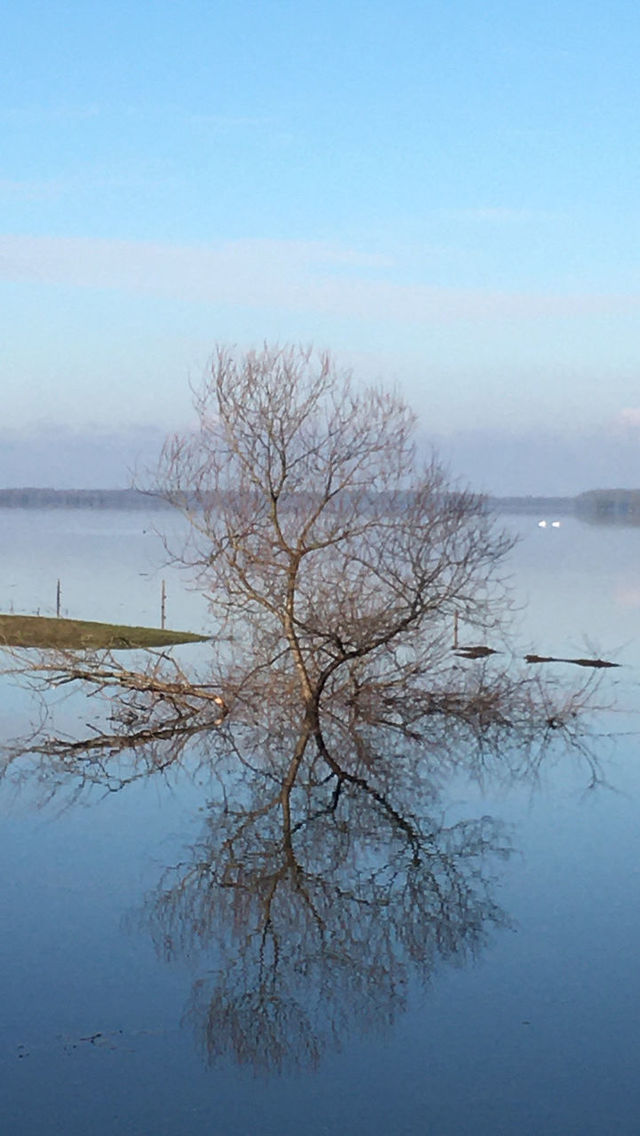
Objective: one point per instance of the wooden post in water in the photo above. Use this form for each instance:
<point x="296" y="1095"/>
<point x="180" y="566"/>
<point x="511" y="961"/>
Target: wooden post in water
<point x="58" y="599"/>
<point x="163" y="605"/>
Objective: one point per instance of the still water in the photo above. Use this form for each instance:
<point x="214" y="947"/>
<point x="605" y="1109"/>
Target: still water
<point x="501" y="995"/>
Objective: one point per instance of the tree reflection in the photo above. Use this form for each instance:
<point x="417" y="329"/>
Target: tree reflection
<point x="329" y="876"/>
<point x="315" y="906"/>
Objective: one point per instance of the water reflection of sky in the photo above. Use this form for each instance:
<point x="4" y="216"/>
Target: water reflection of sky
<point x="581" y="585"/>
<point x="539" y="1034"/>
<point x="111" y="565"/>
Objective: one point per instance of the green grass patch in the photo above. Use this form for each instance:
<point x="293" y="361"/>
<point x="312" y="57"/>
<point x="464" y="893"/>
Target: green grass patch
<point x="82" y="634"/>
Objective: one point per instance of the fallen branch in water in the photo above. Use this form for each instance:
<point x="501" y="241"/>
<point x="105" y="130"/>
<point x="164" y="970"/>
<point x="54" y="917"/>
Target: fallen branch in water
<point x="480" y="651"/>
<point x="575" y="662"/>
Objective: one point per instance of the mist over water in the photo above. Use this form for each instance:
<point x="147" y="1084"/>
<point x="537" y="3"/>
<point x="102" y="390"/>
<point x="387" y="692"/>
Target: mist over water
<point x="549" y="460"/>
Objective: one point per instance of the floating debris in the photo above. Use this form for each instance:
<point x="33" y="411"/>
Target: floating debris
<point x="575" y="662"/>
<point x="479" y="652"/>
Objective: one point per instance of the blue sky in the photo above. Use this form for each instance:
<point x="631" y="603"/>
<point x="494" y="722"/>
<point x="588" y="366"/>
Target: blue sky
<point x="446" y="195"/>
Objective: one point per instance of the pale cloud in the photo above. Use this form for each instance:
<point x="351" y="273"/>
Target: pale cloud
<point x="226" y="122"/>
<point x="627" y="595"/>
<point x="82" y="182"/>
<point x="291" y="275"/>
<point x="52" y="115"/>
<point x="31" y="189"/>
<point x="528" y="462"/>
<point x="540" y="461"/>
<point x="629" y="417"/>
<point x="27" y="115"/>
<point x="499" y="215"/>
<point x="64" y="458"/>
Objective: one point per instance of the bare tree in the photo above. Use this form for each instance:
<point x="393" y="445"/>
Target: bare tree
<point x="334" y="561"/>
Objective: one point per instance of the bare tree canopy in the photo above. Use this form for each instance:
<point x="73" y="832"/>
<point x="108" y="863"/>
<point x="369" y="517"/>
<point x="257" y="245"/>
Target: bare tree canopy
<point x="314" y="521"/>
<point x="334" y="560"/>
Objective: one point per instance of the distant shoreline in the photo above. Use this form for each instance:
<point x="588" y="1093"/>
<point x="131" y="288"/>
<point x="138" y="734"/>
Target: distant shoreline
<point x="612" y="506"/>
<point x="31" y="497"/>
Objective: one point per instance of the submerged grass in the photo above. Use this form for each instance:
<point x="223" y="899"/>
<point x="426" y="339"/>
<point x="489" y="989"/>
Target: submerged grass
<point x="81" y="634"/>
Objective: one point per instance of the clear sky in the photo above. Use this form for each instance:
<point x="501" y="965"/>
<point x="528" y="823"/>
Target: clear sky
<point x="445" y="194"/>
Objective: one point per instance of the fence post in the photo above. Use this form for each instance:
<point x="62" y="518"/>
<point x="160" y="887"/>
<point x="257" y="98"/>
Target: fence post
<point x="163" y="605"/>
<point x="58" y="599"/>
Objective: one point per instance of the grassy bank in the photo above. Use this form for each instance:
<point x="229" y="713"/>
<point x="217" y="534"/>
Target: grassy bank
<point x="82" y="634"/>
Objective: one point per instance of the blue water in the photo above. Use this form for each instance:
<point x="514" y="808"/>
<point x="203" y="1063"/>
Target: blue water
<point x="536" y="1031"/>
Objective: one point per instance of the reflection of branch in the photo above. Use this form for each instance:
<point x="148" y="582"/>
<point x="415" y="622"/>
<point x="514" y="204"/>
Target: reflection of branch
<point x="361" y="783"/>
<point x="106" y="761"/>
<point x="321" y="885"/>
<point x="111" y="744"/>
<point x="50" y="671"/>
<point x="153" y="713"/>
<point x="317" y="917"/>
<point x="482" y="720"/>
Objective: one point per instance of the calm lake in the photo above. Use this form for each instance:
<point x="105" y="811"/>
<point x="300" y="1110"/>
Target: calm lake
<point x="501" y="995"/>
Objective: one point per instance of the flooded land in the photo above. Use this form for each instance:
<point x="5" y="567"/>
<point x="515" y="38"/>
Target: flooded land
<point x="189" y="949"/>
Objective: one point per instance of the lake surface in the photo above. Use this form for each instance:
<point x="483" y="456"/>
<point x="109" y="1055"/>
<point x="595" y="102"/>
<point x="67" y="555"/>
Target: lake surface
<point x="128" y="996"/>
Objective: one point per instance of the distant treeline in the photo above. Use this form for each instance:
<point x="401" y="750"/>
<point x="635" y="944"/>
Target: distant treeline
<point x="34" y="498"/>
<point x="609" y="506"/>
<point x="596" y="506"/>
<point x="543" y="506"/>
<point x="30" y="498"/>
<point x="603" y="506"/>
